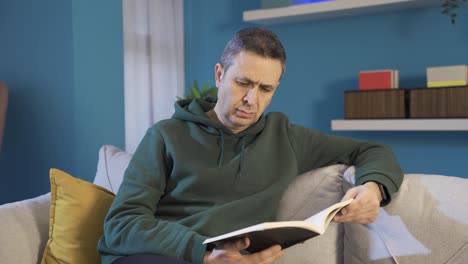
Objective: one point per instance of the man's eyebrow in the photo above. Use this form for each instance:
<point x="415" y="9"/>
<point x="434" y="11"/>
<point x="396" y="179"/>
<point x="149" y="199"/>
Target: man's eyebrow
<point x="246" y="79"/>
<point x="268" y="86"/>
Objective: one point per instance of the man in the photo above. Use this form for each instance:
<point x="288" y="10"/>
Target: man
<point x="221" y="165"/>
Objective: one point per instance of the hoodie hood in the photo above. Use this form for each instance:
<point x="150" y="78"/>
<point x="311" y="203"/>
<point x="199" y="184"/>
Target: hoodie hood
<point x="194" y="110"/>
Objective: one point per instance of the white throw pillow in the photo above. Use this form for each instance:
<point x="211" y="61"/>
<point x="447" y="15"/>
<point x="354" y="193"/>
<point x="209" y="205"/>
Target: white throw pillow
<point x="307" y="195"/>
<point x="111" y="167"/>
<point x="426" y="222"/>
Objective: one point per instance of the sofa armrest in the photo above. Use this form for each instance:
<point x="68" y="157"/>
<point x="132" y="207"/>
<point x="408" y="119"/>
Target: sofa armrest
<point x="426" y="222"/>
<point x="24" y="229"/>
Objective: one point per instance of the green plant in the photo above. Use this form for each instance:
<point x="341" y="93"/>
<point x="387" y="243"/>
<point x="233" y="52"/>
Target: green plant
<point x="450" y="7"/>
<point x="195" y="92"/>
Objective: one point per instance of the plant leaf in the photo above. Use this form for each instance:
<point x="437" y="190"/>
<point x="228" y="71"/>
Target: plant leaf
<point x="195" y="93"/>
<point x="205" y="87"/>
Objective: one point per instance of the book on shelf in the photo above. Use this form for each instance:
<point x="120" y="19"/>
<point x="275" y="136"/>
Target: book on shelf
<point x="447" y="76"/>
<point x="283" y="233"/>
<point x="378" y="79"/>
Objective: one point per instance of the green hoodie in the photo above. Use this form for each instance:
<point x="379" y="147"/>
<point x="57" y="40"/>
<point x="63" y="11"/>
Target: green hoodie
<point x="191" y="178"/>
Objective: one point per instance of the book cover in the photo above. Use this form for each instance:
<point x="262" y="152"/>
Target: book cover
<point x="377" y="80"/>
<point x="452" y="83"/>
<point x="447" y="76"/>
<point x="284" y="233"/>
<point x="395" y="80"/>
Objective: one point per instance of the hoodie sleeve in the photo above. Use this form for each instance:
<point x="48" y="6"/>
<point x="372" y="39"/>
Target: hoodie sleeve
<point x="131" y="227"/>
<point x="373" y="161"/>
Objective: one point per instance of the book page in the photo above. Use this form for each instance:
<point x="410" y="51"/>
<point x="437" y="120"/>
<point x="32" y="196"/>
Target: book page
<point x="323" y="218"/>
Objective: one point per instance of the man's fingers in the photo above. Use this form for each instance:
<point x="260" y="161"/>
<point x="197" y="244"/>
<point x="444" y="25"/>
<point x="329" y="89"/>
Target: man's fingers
<point x="351" y="193"/>
<point x="359" y="215"/>
<point x="245" y="243"/>
<point x="363" y="209"/>
<point x="266" y="256"/>
<point x="355" y="213"/>
<point x="236" y="245"/>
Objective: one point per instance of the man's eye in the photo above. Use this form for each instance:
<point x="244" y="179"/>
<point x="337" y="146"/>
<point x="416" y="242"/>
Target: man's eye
<point x="243" y="83"/>
<point x="266" y="89"/>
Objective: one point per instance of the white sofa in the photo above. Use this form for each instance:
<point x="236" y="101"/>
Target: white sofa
<point x="427" y="221"/>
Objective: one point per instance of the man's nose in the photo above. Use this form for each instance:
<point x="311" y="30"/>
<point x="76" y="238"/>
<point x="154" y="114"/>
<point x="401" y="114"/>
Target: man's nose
<point x="251" y="96"/>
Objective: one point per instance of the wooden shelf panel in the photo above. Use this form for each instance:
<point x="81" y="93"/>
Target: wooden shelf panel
<point x="456" y="124"/>
<point x="337" y="8"/>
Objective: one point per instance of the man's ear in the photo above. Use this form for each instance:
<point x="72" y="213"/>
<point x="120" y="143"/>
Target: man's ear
<point x="219" y="73"/>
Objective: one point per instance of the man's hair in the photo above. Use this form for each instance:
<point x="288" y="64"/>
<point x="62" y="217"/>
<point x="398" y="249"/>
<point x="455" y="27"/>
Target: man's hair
<point x="260" y="41"/>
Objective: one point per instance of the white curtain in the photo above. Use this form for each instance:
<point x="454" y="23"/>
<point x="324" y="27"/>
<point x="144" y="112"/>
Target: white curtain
<point x="153" y="63"/>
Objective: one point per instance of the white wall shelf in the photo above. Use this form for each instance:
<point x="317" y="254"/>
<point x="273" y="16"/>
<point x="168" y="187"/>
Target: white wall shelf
<point x="458" y="124"/>
<point x="337" y="8"/>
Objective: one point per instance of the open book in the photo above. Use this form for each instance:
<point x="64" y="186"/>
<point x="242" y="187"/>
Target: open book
<point x="284" y="233"/>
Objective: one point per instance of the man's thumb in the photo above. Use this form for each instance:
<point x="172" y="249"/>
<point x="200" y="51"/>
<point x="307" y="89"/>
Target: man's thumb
<point x="237" y="245"/>
<point x="351" y="193"/>
<point x="243" y="243"/>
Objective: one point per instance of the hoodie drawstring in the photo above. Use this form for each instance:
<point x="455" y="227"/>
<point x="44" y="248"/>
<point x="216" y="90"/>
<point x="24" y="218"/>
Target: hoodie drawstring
<point x="242" y="157"/>
<point x="221" y="154"/>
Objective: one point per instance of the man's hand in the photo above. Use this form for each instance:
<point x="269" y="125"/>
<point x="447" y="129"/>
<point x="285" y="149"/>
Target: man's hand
<point x="229" y="253"/>
<point x="364" y="209"/>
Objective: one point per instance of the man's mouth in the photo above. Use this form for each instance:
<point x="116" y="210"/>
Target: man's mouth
<point x="245" y="114"/>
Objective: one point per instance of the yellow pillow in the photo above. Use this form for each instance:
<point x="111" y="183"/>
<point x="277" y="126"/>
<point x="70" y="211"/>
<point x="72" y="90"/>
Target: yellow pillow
<point x="77" y="212"/>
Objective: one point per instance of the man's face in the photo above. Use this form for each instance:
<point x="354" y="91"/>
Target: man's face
<point x="245" y="89"/>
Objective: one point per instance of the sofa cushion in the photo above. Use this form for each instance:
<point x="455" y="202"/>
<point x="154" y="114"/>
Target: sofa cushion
<point x="77" y="212"/>
<point x="111" y="167"/>
<point x="426" y="222"/>
<point x="23" y="229"/>
<point x="307" y="195"/>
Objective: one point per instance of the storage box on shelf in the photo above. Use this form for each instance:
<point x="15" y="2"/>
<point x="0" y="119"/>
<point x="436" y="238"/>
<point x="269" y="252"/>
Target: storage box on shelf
<point x="375" y="104"/>
<point x="434" y="109"/>
<point x="449" y="102"/>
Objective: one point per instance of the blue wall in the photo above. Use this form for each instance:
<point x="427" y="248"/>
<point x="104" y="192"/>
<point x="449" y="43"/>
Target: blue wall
<point x="98" y="81"/>
<point x="324" y="58"/>
<point x="63" y="63"/>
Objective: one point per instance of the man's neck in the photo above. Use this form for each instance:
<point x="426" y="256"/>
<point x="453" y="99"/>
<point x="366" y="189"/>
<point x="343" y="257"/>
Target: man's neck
<point x="213" y="116"/>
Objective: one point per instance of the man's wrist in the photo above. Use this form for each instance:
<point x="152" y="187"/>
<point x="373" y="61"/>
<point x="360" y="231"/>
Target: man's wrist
<point x="375" y="187"/>
<point x="384" y="196"/>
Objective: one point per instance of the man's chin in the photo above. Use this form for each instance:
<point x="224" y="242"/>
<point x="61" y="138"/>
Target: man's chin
<point x="244" y="122"/>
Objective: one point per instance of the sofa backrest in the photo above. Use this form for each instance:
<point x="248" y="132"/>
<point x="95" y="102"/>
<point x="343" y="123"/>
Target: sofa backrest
<point x="426" y="222"/>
